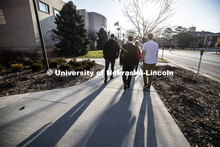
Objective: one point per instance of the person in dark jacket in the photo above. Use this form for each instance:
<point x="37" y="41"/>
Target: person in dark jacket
<point x="110" y="52"/>
<point x="128" y="60"/>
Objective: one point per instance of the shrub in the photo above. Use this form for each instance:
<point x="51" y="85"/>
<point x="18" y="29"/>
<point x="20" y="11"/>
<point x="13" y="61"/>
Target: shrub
<point x="74" y="63"/>
<point x="1" y="68"/>
<point x="65" y="66"/>
<point x="11" y="62"/>
<point x="87" y="67"/>
<point x="79" y="68"/>
<point x="28" y="62"/>
<point x="78" y="64"/>
<point x="53" y="64"/>
<point x="36" y="66"/>
<point x="84" y="62"/>
<point x="93" y="62"/>
<point x="61" y="61"/>
<point x="90" y="63"/>
<point x="16" y="67"/>
<point x="36" y="61"/>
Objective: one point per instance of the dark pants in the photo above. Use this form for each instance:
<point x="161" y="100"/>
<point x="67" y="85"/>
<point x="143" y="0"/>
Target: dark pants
<point x="107" y="62"/>
<point x="127" y="79"/>
<point x="136" y="67"/>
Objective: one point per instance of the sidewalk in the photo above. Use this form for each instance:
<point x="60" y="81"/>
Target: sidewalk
<point x="90" y="114"/>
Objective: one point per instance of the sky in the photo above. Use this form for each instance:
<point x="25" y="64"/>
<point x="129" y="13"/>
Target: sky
<point x="203" y="14"/>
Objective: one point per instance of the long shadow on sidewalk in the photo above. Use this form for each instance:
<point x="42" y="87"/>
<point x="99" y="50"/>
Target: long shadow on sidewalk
<point x="43" y="108"/>
<point x="115" y="124"/>
<point x="151" y="132"/>
<point x="140" y="128"/>
<point x="52" y="135"/>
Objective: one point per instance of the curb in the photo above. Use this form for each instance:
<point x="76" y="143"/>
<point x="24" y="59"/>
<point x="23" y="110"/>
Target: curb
<point x="203" y="74"/>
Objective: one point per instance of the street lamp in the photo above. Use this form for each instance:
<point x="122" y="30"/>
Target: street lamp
<point x="118" y="33"/>
<point x="41" y="35"/>
<point x="162" y="53"/>
<point x="201" y="53"/>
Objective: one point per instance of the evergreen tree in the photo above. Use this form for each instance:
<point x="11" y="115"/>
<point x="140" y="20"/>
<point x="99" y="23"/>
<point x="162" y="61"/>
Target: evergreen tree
<point x="93" y="37"/>
<point x="71" y="33"/>
<point x="182" y="37"/>
<point x="102" y="38"/>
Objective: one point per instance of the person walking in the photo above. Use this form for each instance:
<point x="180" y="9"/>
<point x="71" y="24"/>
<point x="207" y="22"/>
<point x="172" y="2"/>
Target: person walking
<point x="110" y="53"/>
<point x="137" y="44"/>
<point x="150" y="54"/>
<point x="128" y="60"/>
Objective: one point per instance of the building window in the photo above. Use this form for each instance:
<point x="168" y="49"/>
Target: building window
<point x="56" y="12"/>
<point x="44" y="7"/>
<point x="2" y="18"/>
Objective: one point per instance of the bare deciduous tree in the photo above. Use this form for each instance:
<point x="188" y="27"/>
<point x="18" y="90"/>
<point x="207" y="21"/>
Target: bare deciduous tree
<point x="148" y="15"/>
<point x="131" y="32"/>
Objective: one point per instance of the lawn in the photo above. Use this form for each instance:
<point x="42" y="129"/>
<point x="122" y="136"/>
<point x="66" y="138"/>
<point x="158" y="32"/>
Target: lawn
<point x="93" y="54"/>
<point x="161" y="60"/>
<point x="99" y="54"/>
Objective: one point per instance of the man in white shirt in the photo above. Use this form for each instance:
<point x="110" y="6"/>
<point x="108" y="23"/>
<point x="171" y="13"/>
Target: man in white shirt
<point x="149" y="53"/>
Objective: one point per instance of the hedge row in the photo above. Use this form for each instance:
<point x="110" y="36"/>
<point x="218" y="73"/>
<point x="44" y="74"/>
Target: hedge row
<point x="37" y="65"/>
<point x="78" y="65"/>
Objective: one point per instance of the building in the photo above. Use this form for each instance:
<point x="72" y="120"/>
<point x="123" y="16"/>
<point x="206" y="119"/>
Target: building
<point x="203" y="39"/>
<point x="192" y="29"/>
<point x="18" y="26"/>
<point x="196" y="39"/>
<point x="93" y="21"/>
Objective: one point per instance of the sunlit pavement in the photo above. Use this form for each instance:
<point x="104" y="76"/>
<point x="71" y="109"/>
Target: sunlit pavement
<point x="89" y="114"/>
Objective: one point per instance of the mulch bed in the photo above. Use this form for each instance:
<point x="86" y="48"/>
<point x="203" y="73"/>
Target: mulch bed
<point x="194" y="102"/>
<point x="27" y="81"/>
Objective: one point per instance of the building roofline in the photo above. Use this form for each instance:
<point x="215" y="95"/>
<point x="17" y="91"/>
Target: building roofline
<point x="92" y="12"/>
<point x="98" y="14"/>
<point x="203" y="32"/>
